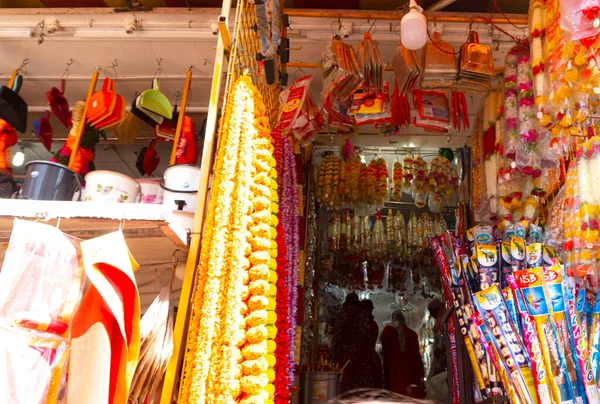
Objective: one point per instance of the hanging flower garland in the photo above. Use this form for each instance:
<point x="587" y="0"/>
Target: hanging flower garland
<point x="216" y="326"/>
<point x="291" y="223"/>
<point x="281" y="340"/>
<point x="260" y="317"/>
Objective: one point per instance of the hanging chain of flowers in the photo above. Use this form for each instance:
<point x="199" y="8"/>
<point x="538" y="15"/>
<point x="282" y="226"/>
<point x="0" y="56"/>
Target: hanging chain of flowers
<point x="291" y="222"/>
<point x="281" y="339"/>
<point x="216" y="326"/>
<point x="257" y="360"/>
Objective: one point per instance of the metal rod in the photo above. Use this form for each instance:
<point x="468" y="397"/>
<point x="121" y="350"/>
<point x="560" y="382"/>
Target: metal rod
<point x="307" y="65"/>
<point x="393" y="15"/>
<point x="58" y="140"/>
<point x="184" y="99"/>
<point x="81" y="128"/>
<point x="183" y="312"/>
<point x="170" y="77"/>
<point x="191" y="110"/>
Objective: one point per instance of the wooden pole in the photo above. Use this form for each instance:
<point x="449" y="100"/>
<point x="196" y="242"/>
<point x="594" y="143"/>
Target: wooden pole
<point x="81" y="128"/>
<point x="184" y="98"/>
<point x="183" y="312"/>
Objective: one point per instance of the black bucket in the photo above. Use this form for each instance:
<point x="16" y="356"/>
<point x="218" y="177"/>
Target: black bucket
<point x="49" y="181"/>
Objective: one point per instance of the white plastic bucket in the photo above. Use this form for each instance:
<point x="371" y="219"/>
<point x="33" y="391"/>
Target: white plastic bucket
<point x="152" y="193"/>
<point x="180" y="184"/>
<point x="111" y="187"/>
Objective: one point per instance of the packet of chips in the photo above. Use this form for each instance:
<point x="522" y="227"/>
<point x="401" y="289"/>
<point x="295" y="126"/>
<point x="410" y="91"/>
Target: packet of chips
<point x="553" y="288"/>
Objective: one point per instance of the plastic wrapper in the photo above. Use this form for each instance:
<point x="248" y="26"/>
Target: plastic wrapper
<point x="527" y="152"/>
<point x="579" y="337"/>
<point x="579" y="18"/>
<point x="432" y="110"/>
<point x="588" y="209"/>
<point x="41" y="282"/>
<point x="511" y="109"/>
<point x="156" y="348"/>
<point x="292" y="99"/>
<point x="407" y="172"/>
<point x="507" y="341"/>
<point x="31" y="366"/>
<point x="555" y="230"/>
<point x="340" y="70"/>
<point x="553" y="286"/>
<point x="533" y="345"/>
<point x="531" y="286"/>
<point x="420" y="181"/>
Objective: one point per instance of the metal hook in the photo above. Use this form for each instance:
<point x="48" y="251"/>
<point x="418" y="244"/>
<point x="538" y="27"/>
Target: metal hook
<point x="159" y="70"/>
<point x="23" y="67"/>
<point x="470" y="27"/>
<point x="206" y="61"/>
<point x="113" y="65"/>
<point x="67" y="69"/>
<point x="176" y="259"/>
<point x="190" y="24"/>
<point x="91" y="23"/>
<point x="301" y="71"/>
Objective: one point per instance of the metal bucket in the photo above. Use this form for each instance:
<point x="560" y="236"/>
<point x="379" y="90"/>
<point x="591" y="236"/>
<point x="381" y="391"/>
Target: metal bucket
<point x="318" y="387"/>
<point x="49" y="181"/>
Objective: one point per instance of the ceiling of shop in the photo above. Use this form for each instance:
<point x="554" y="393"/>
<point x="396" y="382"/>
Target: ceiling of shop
<point x="508" y="6"/>
<point x="96" y="39"/>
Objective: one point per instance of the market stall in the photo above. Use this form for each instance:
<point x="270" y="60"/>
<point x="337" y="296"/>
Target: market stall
<point x="396" y="199"/>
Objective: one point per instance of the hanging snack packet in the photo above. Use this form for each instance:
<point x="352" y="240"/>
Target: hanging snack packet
<point x="432" y="110"/>
<point x="532" y="343"/>
<point x="507" y="341"/>
<point x="487" y="265"/>
<point x="483" y="234"/>
<point x="292" y="99"/>
<point x="530" y="284"/>
<point x="511" y="304"/>
<point x="579" y="336"/>
<point x="534" y="252"/>
<point x="517" y="253"/>
<point x="497" y="368"/>
<point x="595" y="340"/>
<point x="554" y="295"/>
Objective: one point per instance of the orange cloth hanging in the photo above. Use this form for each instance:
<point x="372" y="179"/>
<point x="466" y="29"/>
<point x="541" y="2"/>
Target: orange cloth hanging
<point x="8" y="138"/>
<point x="186" y="148"/>
<point x="105" y="333"/>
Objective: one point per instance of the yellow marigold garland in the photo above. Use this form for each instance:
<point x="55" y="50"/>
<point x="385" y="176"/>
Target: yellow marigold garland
<point x="228" y="357"/>
<point x="211" y="370"/>
<point x="255" y="380"/>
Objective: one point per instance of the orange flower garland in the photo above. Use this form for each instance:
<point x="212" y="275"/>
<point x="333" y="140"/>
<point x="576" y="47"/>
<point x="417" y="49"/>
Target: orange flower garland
<point x="255" y="384"/>
<point x="227" y="359"/>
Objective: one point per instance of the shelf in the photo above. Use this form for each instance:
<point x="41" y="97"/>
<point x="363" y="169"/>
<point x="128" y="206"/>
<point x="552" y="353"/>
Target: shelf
<point x="58" y="209"/>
